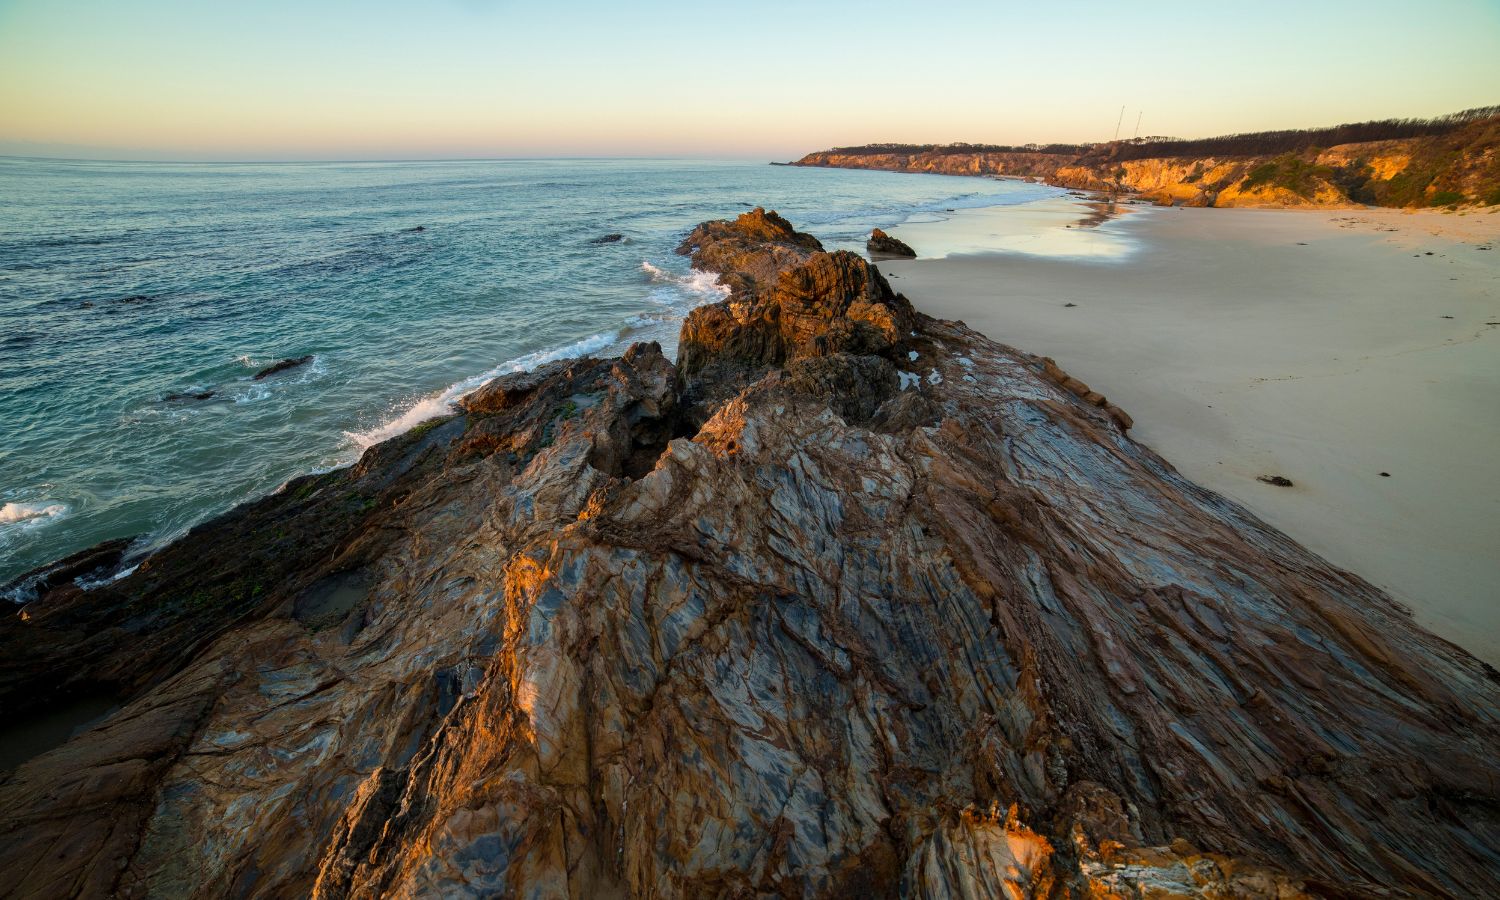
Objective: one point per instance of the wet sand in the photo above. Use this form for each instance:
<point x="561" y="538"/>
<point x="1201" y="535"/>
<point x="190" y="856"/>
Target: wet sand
<point x="1326" y="347"/>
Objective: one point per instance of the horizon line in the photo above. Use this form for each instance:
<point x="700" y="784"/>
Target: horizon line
<point x="413" y="159"/>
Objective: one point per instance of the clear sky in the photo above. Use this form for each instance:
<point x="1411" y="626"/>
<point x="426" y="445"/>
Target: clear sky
<point x="373" y="79"/>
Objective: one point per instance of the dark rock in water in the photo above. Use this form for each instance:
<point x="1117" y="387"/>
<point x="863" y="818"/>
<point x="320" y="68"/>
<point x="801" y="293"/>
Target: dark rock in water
<point x="87" y="304"/>
<point x="1278" y="480"/>
<point x="608" y="239"/>
<point x="94" y="562"/>
<point x="283" y="366"/>
<point x="415" y="230"/>
<point x="1069" y="305"/>
<point x="136" y="298"/>
<point x="199" y="395"/>
<point x="882" y="244"/>
<point x="788" y="619"/>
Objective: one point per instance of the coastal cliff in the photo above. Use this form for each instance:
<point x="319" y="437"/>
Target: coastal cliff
<point x="1460" y="167"/>
<point x="847" y="600"/>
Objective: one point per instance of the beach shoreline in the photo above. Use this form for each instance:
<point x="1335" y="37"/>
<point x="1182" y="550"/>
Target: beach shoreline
<point x="1354" y="352"/>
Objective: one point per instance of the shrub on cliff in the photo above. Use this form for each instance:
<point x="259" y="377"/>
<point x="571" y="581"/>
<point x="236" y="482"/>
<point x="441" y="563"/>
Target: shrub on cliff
<point x="1289" y="171"/>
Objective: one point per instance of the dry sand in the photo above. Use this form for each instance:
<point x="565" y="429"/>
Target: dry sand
<point x="1327" y="347"/>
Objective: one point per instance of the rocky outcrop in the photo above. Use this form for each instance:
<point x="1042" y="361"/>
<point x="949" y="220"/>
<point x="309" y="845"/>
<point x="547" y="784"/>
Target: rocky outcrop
<point x="881" y="245"/>
<point x="788" y="300"/>
<point x="904" y="614"/>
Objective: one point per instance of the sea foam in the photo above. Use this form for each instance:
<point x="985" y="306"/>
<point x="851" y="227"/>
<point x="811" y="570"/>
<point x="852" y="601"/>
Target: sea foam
<point x="17" y="513"/>
<point x="704" y="285"/>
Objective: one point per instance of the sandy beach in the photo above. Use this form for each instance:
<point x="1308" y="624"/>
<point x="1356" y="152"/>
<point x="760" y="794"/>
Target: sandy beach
<point x="1354" y="352"/>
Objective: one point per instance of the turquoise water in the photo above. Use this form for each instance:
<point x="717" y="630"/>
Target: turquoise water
<point x="122" y="284"/>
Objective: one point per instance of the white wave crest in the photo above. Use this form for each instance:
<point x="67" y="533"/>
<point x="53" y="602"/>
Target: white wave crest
<point x="705" y="284"/>
<point x="442" y="403"/>
<point x="16" y="513"/>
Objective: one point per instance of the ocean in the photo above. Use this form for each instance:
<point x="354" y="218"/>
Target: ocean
<point x="139" y="300"/>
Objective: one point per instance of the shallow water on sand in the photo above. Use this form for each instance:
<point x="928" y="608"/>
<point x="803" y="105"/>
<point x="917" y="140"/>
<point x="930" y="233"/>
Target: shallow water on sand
<point x="124" y="284"/>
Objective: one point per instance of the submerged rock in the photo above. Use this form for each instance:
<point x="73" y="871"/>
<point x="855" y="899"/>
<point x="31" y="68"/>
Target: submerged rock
<point x="282" y="366"/>
<point x="613" y="238"/>
<point x="188" y="395"/>
<point x="761" y="623"/>
<point x="882" y="244"/>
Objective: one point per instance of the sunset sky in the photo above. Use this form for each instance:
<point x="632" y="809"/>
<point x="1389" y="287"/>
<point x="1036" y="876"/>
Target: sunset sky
<point x="189" y="79"/>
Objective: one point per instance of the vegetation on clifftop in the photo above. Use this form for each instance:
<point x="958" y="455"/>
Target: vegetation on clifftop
<point x="1451" y="160"/>
<point x="1257" y="143"/>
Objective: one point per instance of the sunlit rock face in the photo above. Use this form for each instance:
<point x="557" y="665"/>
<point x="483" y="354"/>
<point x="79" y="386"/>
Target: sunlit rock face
<point x="1455" y="165"/>
<point x="849" y="601"/>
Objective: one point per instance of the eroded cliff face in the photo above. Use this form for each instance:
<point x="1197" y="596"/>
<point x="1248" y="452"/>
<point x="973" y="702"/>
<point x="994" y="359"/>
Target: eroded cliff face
<point x="1460" y="168"/>
<point x="848" y="601"/>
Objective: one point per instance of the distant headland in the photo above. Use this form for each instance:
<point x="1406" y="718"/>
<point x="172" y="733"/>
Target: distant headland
<point x="1450" y="161"/>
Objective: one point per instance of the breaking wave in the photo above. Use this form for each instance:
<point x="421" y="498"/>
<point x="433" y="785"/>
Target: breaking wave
<point x="444" y="402"/>
<point x="18" y="513"/>
<point x="705" y="285"/>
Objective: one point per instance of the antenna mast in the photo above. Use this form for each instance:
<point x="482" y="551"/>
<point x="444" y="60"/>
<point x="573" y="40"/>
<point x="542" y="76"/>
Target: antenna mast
<point x="1138" y="123"/>
<point x="1119" y="121"/>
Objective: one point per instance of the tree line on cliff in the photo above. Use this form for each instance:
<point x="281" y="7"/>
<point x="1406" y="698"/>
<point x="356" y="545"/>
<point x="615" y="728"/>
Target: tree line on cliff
<point x="1257" y="143"/>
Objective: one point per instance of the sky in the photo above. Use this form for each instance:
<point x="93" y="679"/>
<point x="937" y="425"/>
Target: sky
<point x="330" y="79"/>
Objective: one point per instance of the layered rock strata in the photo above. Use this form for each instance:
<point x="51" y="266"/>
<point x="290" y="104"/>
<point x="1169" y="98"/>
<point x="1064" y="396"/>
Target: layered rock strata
<point x="848" y="601"/>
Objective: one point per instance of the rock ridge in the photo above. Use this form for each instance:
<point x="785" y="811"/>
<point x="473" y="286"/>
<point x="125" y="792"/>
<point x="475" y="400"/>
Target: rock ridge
<point x="848" y="600"/>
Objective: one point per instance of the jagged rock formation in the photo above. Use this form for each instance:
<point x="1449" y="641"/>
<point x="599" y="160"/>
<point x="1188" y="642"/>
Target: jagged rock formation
<point x="881" y="244"/>
<point x="1461" y="167"/>
<point x="849" y="601"/>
